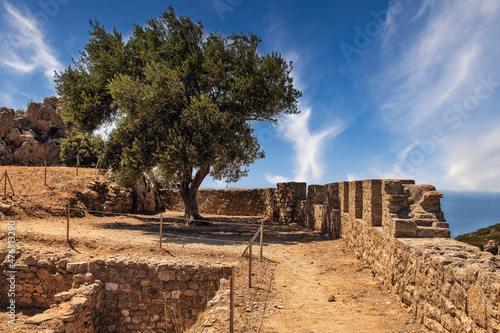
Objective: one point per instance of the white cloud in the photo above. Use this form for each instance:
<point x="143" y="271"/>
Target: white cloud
<point x="474" y="163"/>
<point x="308" y="146"/>
<point x="24" y="46"/>
<point x="430" y="62"/>
<point x="274" y="179"/>
<point x="352" y="176"/>
<point x="434" y="57"/>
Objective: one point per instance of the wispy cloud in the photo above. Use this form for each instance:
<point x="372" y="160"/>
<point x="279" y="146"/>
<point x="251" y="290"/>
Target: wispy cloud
<point x="24" y="46"/>
<point x="308" y="146"/>
<point x="275" y="179"/>
<point x="474" y="162"/>
<point x="434" y="57"/>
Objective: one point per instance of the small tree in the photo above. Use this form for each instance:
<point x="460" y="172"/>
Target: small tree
<point x="184" y="101"/>
<point x="87" y="147"/>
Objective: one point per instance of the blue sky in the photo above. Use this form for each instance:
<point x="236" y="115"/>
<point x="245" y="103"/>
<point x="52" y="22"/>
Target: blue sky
<point x="391" y="89"/>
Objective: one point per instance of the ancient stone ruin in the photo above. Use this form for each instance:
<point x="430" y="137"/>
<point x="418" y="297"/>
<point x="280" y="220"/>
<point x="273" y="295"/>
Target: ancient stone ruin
<point x="32" y="138"/>
<point x="401" y="206"/>
<point x="395" y="226"/>
<point x="111" y="294"/>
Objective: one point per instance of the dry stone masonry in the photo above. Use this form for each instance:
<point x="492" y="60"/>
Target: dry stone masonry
<point x="112" y="294"/>
<point x="395" y="226"/>
<point x="398" y="228"/>
<point x="246" y="202"/>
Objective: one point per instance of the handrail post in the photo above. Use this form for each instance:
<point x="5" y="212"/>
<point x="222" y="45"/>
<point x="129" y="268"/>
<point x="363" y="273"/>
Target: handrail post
<point x="261" y="240"/>
<point x="250" y="266"/>
<point x="231" y="301"/>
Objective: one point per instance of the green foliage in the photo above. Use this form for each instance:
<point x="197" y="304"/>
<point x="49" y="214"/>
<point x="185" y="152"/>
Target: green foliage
<point x="86" y="146"/>
<point x="482" y="236"/>
<point x="182" y="98"/>
<point x="166" y="180"/>
<point x="22" y="111"/>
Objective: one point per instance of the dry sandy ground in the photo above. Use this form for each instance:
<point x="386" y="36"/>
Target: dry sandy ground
<point x="306" y="282"/>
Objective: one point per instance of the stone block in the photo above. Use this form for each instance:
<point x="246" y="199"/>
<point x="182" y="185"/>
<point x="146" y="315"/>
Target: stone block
<point x="111" y="286"/>
<point x="77" y="267"/>
<point x="166" y="275"/>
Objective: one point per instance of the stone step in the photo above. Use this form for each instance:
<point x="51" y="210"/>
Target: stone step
<point x="425" y="222"/>
<point x="441" y="225"/>
<point x="422" y="215"/>
<point x="431" y="232"/>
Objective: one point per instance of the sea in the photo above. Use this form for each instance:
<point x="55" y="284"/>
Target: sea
<point x="468" y="211"/>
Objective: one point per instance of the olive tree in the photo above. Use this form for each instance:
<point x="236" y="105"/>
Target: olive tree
<point x="184" y="101"/>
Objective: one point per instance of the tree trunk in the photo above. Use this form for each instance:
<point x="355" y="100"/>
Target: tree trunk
<point x="189" y="188"/>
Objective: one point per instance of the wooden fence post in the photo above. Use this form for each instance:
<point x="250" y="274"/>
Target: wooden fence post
<point x="10" y="184"/>
<point x="161" y="229"/>
<point x="67" y="224"/>
<point x="231" y="302"/>
<point x="97" y="165"/>
<point x="77" y="163"/>
<point x="6" y="178"/>
<point x="261" y="240"/>
<point x="250" y="266"/>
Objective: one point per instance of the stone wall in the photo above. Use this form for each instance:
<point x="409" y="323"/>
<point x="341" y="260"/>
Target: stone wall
<point x="449" y="286"/>
<point x="114" y="294"/>
<point x="246" y="202"/>
<point x="403" y="208"/>
<point x="398" y="228"/>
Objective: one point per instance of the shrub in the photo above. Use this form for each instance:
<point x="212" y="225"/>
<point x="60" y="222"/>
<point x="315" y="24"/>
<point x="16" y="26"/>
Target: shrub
<point x="87" y="147"/>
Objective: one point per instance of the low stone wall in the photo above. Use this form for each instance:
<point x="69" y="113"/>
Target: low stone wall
<point x="399" y="229"/>
<point x="76" y="310"/>
<point x="116" y="294"/>
<point x="448" y="285"/>
<point x="38" y="279"/>
<point x="246" y="202"/>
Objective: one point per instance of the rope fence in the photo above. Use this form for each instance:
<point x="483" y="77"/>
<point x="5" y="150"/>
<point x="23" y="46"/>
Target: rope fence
<point x="260" y="232"/>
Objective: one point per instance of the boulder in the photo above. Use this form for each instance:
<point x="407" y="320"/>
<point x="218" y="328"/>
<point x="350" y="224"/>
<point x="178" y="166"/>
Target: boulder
<point x="32" y="138"/>
<point x="491" y="247"/>
<point x="6" y="120"/>
<point x="146" y="194"/>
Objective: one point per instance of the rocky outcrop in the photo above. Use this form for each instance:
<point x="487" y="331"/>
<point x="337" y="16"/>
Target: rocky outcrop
<point x="146" y="194"/>
<point x="491" y="247"/>
<point x="107" y="196"/>
<point x="34" y="137"/>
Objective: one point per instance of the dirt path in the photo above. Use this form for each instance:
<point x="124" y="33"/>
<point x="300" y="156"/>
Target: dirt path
<point x="322" y="287"/>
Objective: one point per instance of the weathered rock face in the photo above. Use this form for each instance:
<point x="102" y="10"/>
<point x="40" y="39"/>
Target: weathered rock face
<point x="29" y="139"/>
<point x="491" y="247"/>
<point x="146" y="195"/>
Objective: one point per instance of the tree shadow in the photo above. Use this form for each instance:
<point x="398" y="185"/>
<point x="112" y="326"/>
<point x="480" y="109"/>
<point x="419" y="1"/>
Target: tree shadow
<point x="224" y="230"/>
